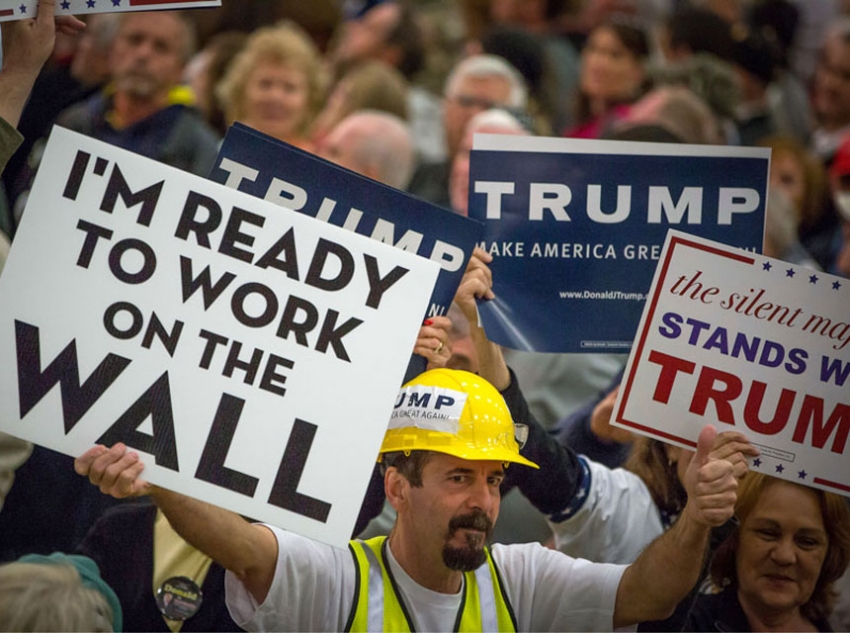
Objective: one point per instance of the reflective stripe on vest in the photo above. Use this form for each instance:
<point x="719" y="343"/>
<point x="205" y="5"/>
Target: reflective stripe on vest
<point x="378" y="606"/>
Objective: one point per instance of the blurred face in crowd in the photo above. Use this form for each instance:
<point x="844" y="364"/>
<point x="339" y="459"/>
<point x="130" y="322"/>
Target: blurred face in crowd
<point x="783" y="544"/>
<point x="148" y="55"/>
<point x="610" y="72"/>
<point x="470" y="96"/>
<point x="276" y="99"/>
<point x="91" y="61"/>
<point x="787" y="175"/>
<point x="459" y="177"/>
<point x="831" y="90"/>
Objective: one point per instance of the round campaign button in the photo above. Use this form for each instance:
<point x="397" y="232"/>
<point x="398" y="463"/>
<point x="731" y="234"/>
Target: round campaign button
<point x="179" y="598"/>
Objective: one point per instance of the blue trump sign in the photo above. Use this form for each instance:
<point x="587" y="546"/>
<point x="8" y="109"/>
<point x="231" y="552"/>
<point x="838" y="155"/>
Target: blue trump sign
<point x="576" y="227"/>
<point x="267" y="168"/>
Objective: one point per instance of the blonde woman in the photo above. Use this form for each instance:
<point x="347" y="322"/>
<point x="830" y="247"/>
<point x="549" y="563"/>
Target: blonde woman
<point x="275" y="84"/>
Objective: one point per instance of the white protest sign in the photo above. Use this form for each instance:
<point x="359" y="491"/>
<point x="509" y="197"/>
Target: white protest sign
<point x="21" y="9"/>
<point x="750" y="343"/>
<point x="250" y="353"/>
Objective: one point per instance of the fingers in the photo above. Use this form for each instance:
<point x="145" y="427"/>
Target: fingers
<point x="83" y="463"/>
<point x="69" y="24"/>
<point x="439" y="358"/>
<point x="437" y="329"/>
<point x="704" y="444"/>
<point x="714" y="495"/>
<point x="115" y="471"/>
<point x="476" y="283"/>
<point x="716" y="510"/>
<point x="481" y="269"/>
<point x="730" y="442"/>
<point x="433" y="343"/>
<point x="733" y="447"/>
<point x="481" y="255"/>
<point x="712" y="481"/>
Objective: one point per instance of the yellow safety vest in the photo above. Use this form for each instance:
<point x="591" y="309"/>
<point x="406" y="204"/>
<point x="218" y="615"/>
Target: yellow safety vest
<point x="379" y="607"/>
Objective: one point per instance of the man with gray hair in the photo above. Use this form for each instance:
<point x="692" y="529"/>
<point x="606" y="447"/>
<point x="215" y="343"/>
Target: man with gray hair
<point x="477" y="83"/>
<point x="144" y="109"/>
<point x="373" y="144"/>
<point x="147" y="111"/>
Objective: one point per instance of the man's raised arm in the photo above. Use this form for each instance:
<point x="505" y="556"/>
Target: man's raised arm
<point x="667" y="570"/>
<point x="247" y="550"/>
<point x="27" y="44"/>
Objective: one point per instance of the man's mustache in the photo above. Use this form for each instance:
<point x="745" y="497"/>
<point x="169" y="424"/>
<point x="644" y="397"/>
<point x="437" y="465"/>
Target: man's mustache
<point x="472" y="521"/>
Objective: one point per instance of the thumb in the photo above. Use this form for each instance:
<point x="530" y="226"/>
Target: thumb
<point x="46" y="11"/>
<point x="704" y="444"/>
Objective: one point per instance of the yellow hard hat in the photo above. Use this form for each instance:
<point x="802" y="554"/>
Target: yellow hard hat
<point x="454" y="412"/>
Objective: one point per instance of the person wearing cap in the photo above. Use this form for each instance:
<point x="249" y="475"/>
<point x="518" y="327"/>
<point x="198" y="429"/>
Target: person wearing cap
<point x="58" y="592"/>
<point x="444" y="455"/>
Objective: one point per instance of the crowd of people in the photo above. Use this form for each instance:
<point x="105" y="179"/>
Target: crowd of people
<point x="598" y="528"/>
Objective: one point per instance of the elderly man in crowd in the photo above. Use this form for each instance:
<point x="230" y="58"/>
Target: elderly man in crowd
<point x="373" y="144"/>
<point x="477" y="83"/>
<point x="144" y="109"/>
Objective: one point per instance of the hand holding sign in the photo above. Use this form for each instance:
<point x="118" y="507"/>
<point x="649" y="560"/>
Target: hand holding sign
<point x="711" y="483"/>
<point x="477" y="283"/>
<point x="221" y="400"/>
<point x="745" y="342"/>
<point x="734" y="448"/>
<point x="433" y="342"/>
<point x="26" y="46"/>
<point x="23" y="9"/>
<point x="114" y="470"/>
<point x="31" y="41"/>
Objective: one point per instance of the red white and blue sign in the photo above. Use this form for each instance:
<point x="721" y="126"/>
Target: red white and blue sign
<point x="22" y="9"/>
<point x="749" y="343"/>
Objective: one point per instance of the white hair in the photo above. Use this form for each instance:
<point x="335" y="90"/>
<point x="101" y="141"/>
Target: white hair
<point x="388" y="147"/>
<point x="481" y="66"/>
<point x="496" y="118"/>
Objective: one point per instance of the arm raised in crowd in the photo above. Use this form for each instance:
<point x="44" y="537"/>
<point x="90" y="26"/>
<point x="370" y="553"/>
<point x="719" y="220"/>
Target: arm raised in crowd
<point x="667" y="570"/>
<point x="246" y="549"/>
<point x="551" y="488"/>
<point x="27" y="44"/>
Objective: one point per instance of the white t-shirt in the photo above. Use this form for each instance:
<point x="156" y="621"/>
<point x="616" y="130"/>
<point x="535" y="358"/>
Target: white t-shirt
<point x="313" y="590"/>
<point x="616" y="521"/>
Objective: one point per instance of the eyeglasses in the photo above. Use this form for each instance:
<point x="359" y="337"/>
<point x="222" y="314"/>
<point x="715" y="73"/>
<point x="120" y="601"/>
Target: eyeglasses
<point x="469" y="102"/>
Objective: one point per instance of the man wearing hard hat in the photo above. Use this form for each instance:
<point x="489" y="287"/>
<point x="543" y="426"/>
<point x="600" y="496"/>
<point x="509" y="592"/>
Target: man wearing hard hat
<point x="449" y="440"/>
